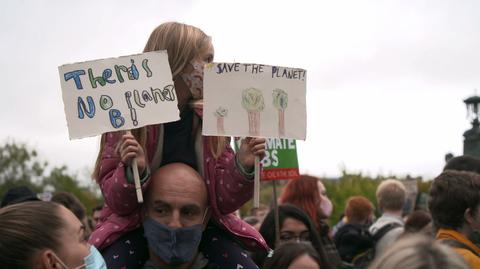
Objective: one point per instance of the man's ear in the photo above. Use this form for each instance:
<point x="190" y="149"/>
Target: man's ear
<point x="48" y="260"/>
<point x="468" y="216"/>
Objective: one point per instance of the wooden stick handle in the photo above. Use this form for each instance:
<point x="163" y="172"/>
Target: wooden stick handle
<point x="256" y="183"/>
<point x="276" y="214"/>
<point x="136" y="178"/>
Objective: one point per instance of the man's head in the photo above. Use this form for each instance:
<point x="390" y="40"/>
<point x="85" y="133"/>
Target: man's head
<point x="176" y="206"/>
<point x="391" y="195"/>
<point x="454" y="201"/>
<point x="463" y="163"/>
<point x="96" y="214"/>
<point x="177" y="196"/>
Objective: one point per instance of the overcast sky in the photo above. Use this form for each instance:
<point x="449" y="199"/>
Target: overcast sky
<point x="385" y="79"/>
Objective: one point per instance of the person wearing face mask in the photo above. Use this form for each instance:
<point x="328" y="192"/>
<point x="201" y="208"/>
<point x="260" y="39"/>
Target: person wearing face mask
<point x="228" y="175"/>
<point x="44" y="235"/>
<point x="326" y="206"/>
<point x="308" y="194"/>
<point x="454" y="204"/>
<point x="177" y="224"/>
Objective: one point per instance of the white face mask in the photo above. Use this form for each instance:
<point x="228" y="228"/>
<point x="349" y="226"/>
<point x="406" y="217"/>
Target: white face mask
<point x="94" y="260"/>
<point x="326" y="206"/>
<point x="194" y="79"/>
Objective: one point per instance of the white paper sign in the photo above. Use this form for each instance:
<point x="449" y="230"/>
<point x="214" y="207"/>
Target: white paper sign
<point x="118" y="94"/>
<point x="254" y="100"/>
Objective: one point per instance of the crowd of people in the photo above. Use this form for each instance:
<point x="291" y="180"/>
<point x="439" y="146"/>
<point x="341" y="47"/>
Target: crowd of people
<point x="194" y="185"/>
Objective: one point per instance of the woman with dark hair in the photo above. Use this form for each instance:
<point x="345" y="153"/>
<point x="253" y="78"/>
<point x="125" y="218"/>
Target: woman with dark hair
<point x="294" y="255"/>
<point x="308" y="193"/>
<point x="295" y="226"/>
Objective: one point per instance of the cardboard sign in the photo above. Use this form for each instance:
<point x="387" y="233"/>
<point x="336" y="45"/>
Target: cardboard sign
<point x="411" y="187"/>
<point x="254" y="100"/>
<point x="118" y="94"/>
<point x="281" y="160"/>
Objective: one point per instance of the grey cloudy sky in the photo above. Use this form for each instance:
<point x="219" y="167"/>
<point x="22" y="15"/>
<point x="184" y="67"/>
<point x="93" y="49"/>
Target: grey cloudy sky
<point x="386" y="79"/>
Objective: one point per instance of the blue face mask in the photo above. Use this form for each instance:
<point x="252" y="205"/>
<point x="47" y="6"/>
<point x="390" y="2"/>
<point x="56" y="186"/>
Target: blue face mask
<point x="173" y="246"/>
<point x="94" y="260"/>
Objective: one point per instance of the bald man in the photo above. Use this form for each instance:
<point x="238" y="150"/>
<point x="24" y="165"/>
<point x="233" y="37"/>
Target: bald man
<point x="176" y="218"/>
<point x="176" y="215"/>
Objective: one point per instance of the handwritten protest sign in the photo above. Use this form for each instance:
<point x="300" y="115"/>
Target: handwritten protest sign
<point x="254" y="100"/>
<point x="280" y="161"/>
<point x="118" y="94"/>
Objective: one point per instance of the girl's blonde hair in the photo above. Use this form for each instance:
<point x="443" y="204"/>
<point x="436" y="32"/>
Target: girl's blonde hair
<point x="183" y="43"/>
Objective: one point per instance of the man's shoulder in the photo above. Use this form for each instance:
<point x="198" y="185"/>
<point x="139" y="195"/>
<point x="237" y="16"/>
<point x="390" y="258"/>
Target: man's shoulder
<point x="349" y="229"/>
<point x="385" y="222"/>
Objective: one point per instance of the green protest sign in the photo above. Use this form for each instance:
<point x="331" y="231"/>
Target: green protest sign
<point x="280" y="161"/>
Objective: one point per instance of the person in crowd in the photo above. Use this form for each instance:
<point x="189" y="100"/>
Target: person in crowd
<point x="96" y="214"/>
<point x="455" y="207"/>
<point x="295" y="226"/>
<point x="470" y="164"/>
<point x="308" y="193"/>
<point x="177" y="226"/>
<point x="419" y="221"/>
<point x="71" y="202"/>
<point x="391" y="197"/>
<point x="294" y="256"/>
<point x="464" y="163"/>
<point x="95" y="217"/>
<point x="44" y="235"/>
<point x="17" y="195"/>
<point x="353" y="238"/>
<point x="419" y="252"/>
<point x="228" y="175"/>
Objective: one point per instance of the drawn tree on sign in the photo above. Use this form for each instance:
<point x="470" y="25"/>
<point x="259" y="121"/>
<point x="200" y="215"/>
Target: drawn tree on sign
<point x="252" y="101"/>
<point x="280" y="102"/>
<point x="220" y="113"/>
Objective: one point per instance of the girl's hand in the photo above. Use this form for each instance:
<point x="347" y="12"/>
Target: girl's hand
<point x="129" y="148"/>
<point x="249" y="148"/>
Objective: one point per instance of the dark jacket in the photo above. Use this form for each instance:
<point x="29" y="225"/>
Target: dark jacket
<point x="351" y="240"/>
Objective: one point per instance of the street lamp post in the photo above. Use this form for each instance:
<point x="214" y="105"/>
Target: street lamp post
<point x="471" y="143"/>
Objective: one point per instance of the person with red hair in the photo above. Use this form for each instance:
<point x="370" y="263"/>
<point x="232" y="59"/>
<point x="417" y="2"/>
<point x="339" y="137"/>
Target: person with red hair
<point x="308" y="193"/>
<point x="353" y="238"/>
